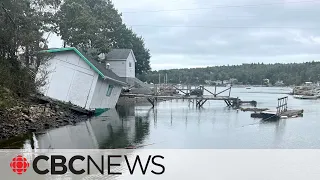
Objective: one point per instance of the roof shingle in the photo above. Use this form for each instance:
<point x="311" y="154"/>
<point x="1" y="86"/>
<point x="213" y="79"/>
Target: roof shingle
<point x="118" y="54"/>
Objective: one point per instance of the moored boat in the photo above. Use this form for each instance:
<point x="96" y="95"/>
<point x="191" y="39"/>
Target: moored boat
<point x="305" y="97"/>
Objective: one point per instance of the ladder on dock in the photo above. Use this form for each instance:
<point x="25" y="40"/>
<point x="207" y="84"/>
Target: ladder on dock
<point x="282" y="105"/>
<point x="281" y="111"/>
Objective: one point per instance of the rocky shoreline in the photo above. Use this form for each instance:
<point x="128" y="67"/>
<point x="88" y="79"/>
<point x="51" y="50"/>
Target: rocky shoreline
<point x="36" y="116"/>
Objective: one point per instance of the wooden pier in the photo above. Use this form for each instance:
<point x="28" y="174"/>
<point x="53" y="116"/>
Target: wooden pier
<point x="198" y="100"/>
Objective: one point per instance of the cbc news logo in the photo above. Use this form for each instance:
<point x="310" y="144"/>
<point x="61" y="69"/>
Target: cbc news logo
<point x="60" y="165"/>
<point x="19" y="164"/>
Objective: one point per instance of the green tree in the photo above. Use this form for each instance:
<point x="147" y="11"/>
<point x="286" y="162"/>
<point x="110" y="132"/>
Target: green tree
<point x="22" y="25"/>
<point x="95" y="26"/>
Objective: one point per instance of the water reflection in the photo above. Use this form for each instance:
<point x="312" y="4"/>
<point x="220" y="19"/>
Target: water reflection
<point x="109" y="130"/>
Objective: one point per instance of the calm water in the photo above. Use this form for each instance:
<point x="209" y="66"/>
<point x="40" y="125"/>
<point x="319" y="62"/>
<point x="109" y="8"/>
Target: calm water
<point x="176" y="124"/>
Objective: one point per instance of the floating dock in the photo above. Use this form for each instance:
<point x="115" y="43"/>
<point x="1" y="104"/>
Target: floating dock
<point x="280" y="112"/>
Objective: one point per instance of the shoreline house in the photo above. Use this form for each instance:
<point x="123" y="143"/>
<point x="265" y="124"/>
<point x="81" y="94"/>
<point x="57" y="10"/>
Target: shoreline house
<point x="122" y="62"/>
<point x="81" y="81"/>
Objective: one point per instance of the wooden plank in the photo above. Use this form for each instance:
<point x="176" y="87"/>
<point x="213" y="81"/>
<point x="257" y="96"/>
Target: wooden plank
<point x="203" y="102"/>
<point x="152" y="102"/>
<point x="179" y="89"/>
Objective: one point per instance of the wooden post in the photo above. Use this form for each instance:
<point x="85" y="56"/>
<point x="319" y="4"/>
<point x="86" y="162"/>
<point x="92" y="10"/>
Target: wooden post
<point x="203" y="102"/>
<point x="215" y="91"/>
<point x="151" y="101"/>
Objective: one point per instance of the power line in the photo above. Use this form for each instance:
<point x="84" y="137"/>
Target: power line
<point x="221" y="6"/>
<point x="225" y="27"/>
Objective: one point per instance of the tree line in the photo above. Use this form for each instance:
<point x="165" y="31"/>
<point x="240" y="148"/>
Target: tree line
<point x="249" y="74"/>
<point x="93" y="26"/>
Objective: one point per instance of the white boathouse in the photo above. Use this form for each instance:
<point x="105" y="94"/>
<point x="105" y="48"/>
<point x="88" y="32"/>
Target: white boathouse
<point x="81" y="81"/>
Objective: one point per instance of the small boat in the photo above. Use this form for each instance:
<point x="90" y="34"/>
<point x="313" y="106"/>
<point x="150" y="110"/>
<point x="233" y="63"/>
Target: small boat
<point x="248" y="87"/>
<point x="305" y="97"/>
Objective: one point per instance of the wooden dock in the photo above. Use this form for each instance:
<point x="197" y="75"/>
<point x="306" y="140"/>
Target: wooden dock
<point x="199" y="100"/>
<point x="280" y="112"/>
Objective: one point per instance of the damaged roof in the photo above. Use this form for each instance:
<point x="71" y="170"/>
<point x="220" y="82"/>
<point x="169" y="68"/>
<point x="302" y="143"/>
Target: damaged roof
<point x="95" y="65"/>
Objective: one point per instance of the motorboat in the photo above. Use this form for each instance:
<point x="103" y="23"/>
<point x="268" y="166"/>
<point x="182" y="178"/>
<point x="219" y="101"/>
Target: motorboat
<point x="305" y="97"/>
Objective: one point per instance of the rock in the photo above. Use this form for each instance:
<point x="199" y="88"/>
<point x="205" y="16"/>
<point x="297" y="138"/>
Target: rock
<point x="10" y="125"/>
<point x="59" y="121"/>
<point x="32" y="129"/>
<point x="31" y="120"/>
<point x="27" y="118"/>
<point x="66" y="121"/>
<point x="46" y="126"/>
<point x="47" y="110"/>
<point x="25" y="111"/>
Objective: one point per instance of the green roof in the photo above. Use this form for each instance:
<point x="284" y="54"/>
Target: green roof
<point x="96" y="66"/>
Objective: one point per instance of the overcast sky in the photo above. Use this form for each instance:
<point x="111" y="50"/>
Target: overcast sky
<point x="200" y="33"/>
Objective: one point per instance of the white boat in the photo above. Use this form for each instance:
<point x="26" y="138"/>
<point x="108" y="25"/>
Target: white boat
<point x="305" y="97"/>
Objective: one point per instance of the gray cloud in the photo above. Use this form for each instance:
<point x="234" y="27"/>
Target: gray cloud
<point x="211" y="44"/>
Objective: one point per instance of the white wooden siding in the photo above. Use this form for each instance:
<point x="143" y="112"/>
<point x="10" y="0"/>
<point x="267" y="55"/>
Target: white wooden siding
<point x="71" y="79"/>
<point x="130" y="71"/>
<point x="118" y="67"/>
<point x="100" y="99"/>
<point x="80" y="89"/>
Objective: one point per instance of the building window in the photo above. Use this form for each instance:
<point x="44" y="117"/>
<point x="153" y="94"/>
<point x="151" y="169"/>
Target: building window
<point x="109" y="91"/>
<point x="130" y="64"/>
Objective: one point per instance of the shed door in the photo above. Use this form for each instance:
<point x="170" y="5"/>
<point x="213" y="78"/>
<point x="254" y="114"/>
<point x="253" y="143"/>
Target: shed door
<point x="60" y="83"/>
<point x="80" y="88"/>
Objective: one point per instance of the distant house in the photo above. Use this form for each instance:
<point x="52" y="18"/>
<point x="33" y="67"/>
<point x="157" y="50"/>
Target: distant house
<point x="266" y="81"/>
<point x="122" y="62"/>
<point x="308" y="83"/>
<point x="279" y="83"/>
<point x="218" y="82"/>
<point x="81" y="81"/>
